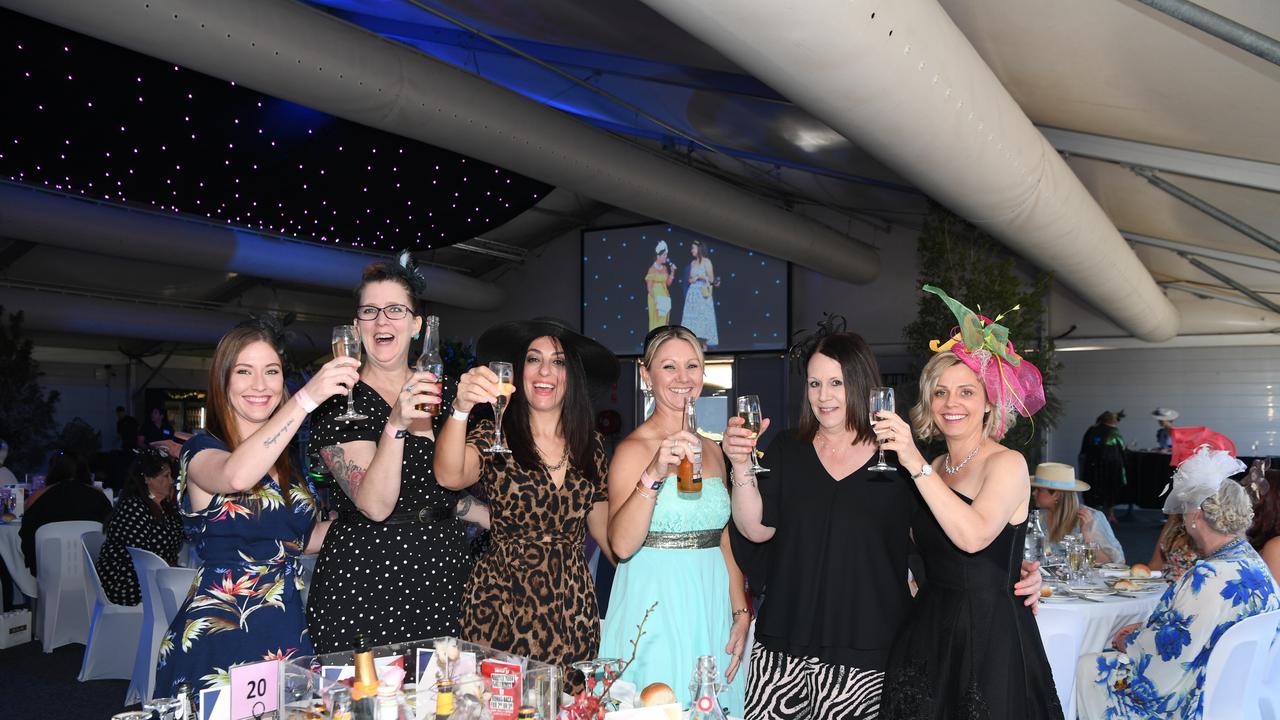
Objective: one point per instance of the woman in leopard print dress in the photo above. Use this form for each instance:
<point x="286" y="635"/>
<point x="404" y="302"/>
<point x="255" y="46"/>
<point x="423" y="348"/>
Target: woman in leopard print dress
<point x="532" y="593"/>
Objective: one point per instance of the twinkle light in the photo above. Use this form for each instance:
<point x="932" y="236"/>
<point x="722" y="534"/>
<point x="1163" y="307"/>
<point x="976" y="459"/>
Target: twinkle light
<point x="79" y="111"/>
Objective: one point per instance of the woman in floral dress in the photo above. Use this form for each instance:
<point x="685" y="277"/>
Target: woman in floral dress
<point x="248" y="513"/>
<point x="1158" y="667"/>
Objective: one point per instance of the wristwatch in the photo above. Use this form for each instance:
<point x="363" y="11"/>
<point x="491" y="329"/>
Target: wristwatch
<point x="926" y="470"/>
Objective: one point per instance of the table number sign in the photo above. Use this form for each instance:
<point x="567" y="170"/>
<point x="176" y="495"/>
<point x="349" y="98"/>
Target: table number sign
<point x="255" y="689"/>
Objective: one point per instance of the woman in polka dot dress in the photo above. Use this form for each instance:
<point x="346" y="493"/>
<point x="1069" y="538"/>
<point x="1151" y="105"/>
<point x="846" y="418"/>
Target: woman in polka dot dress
<point x="147" y="518"/>
<point x="395" y="562"/>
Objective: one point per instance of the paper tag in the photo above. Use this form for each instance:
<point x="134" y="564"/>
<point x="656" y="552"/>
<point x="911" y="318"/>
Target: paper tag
<point x="214" y="704"/>
<point x="502" y="681"/>
<point x="255" y="689"/>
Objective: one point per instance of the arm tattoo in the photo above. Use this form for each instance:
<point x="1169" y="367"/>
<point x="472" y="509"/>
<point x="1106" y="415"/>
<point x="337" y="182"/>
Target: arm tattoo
<point x="347" y="473"/>
<point x="464" y="506"/>
<point x="272" y="440"/>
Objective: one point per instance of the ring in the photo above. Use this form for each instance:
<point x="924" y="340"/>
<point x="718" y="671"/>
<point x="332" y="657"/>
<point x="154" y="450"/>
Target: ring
<point x="409" y="388"/>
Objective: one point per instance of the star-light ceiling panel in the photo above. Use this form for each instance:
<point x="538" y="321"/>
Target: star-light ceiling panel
<point x="85" y="117"/>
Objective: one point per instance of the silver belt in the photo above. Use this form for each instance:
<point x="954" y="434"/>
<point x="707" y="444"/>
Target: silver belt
<point x="696" y="540"/>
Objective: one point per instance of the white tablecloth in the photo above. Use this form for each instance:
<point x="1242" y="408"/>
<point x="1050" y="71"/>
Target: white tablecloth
<point x="1105" y="617"/>
<point x="11" y="553"/>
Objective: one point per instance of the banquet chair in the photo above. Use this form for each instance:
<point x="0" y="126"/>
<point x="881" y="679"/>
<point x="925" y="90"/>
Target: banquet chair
<point x="1062" y="633"/>
<point x="114" y="629"/>
<point x="61" y="612"/>
<point x="154" y="623"/>
<point x="1269" y="693"/>
<point x="173" y="584"/>
<point x="1236" y="667"/>
<point x="93" y="543"/>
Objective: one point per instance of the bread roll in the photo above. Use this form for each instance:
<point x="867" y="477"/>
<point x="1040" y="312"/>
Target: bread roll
<point x="1140" y="570"/>
<point x="657" y="694"/>
<point x="1124" y="585"/>
<point x="1046" y="591"/>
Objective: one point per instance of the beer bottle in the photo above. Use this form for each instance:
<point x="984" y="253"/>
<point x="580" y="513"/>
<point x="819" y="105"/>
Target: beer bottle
<point x="689" y="472"/>
<point x="444" y="699"/>
<point x="430" y="361"/>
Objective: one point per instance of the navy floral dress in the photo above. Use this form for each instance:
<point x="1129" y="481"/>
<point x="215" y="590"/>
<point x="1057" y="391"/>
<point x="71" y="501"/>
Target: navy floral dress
<point x="1161" y="672"/>
<point x="245" y="604"/>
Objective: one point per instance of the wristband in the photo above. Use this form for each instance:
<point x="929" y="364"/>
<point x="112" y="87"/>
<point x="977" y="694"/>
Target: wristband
<point x="305" y="400"/>
<point x="460" y="415"/>
<point x="641" y="490"/>
<point x="394" y="432"/>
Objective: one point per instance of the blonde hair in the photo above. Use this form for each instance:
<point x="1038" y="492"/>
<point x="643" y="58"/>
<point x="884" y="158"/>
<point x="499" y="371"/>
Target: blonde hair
<point x="1229" y="510"/>
<point x="670" y="332"/>
<point x="922" y="415"/>
<point x="1062" y="517"/>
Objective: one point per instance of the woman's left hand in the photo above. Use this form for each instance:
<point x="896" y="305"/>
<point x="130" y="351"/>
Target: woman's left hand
<point x="737" y="644"/>
<point x="1085" y="518"/>
<point x="1029" y="585"/>
<point x="895" y="435"/>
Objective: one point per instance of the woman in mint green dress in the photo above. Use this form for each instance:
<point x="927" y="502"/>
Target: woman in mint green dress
<point x="673" y="550"/>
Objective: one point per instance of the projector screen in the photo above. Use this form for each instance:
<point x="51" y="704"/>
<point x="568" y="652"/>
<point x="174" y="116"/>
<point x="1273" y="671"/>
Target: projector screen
<point x="637" y="278"/>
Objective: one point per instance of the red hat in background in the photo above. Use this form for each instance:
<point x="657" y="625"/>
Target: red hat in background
<point x="1187" y="439"/>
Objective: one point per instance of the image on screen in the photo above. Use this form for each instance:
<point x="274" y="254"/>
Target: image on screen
<point x="637" y="278"/>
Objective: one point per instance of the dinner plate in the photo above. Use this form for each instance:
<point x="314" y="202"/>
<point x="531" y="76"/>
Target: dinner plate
<point x="1093" y="591"/>
<point x="1125" y="573"/>
<point x="1115" y="566"/>
<point x="1055" y="598"/>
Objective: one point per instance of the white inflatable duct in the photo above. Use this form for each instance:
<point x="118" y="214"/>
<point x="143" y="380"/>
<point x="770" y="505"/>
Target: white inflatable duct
<point x="295" y="52"/>
<point x="67" y="221"/>
<point x="900" y="80"/>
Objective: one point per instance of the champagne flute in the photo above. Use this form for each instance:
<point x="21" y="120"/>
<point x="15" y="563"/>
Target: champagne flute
<point x="749" y="411"/>
<point x="346" y="343"/>
<point x="506" y="386"/>
<point x="881" y="401"/>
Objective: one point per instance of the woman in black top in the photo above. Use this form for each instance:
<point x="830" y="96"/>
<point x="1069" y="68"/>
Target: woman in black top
<point x="67" y="495"/>
<point x="829" y="539"/>
<point x="146" y="517"/>
<point x="394" y="564"/>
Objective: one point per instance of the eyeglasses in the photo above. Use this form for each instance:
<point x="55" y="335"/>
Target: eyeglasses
<point x="393" y="312"/>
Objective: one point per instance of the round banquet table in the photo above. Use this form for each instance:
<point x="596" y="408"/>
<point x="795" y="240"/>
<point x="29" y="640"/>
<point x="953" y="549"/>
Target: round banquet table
<point x="1109" y="614"/>
<point x="11" y="553"/>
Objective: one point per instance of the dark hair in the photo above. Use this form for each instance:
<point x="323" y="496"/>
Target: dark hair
<point x="1266" y="514"/>
<point x="575" y="414"/>
<point x="147" y="464"/>
<point x="62" y="467"/>
<point x="861" y="373"/>
<point x="221" y="419"/>
<point x="119" y="408"/>
<point x="388" y="272"/>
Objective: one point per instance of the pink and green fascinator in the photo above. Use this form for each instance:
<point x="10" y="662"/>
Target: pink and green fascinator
<point x="983" y="345"/>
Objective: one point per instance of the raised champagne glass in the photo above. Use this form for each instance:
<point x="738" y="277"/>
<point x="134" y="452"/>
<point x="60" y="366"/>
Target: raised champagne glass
<point x="346" y="343"/>
<point x="881" y="401"/>
<point x="749" y="411"/>
<point x="506" y="386"/>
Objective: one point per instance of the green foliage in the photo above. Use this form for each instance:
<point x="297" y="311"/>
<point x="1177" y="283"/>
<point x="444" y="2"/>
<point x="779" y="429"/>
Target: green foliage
<point x="974" y="269"/>
<point x="79" y="437"/>
<point x="26" y="410"/>
<point x="458" y="357"/>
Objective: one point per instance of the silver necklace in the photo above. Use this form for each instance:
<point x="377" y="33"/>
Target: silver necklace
<point x="946" y="462"/>
<point x="564" y="457"/>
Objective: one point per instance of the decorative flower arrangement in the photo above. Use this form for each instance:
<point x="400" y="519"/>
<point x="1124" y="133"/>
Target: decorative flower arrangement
<point x="593" y="701"/>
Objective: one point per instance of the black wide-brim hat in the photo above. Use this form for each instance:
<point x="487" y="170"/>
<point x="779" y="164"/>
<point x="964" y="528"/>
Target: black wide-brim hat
<point x="507" y="341"/>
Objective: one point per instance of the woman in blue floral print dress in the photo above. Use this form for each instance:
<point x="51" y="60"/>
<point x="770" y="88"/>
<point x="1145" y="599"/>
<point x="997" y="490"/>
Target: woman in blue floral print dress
<point x="247" y="513"/>
<point x="1158" y="667"/>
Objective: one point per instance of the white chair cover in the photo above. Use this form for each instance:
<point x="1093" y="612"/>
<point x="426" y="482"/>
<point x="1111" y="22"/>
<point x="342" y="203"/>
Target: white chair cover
<point x="1062" y="632"/>
<point x="173" y="583"/>
<point x="1269" y="693"/>
<point x="1236" y="666"/>
<point x="61" y="611"/>
<point x="113" y="631"/>
<point x="142" y="683"/>
<point x="93" y="543"/>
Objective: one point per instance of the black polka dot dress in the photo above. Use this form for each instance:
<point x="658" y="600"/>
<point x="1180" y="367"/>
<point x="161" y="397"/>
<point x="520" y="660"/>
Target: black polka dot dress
<point x="133" y="524"/>
<point x="397" y="581"/>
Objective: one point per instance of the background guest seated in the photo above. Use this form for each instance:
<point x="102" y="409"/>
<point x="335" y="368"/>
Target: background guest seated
<point x="1174" y="553"/>
<point x="1056" y="492"/>
<point x="146" y="517"/>
<point x="67" y="495"/>
<point x="1264" y="484"/>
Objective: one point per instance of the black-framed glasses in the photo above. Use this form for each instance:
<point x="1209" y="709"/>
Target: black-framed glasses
<point x="393" y="312"/>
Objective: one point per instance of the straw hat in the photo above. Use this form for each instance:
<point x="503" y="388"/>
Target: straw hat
<point x="1164" y="414"/>
<point x="1057" y="476"/>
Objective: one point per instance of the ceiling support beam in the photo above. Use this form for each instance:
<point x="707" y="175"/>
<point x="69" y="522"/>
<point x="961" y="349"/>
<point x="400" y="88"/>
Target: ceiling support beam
<point x="1220" y="168"/>
<point x="1249" y="261"/>
<point x="1223" y="28"/>
<point x="1212" y="211"/>
<point x="1207" y="293"/>
<point x="1262" y="302"/>
<point x="13" y="252"/>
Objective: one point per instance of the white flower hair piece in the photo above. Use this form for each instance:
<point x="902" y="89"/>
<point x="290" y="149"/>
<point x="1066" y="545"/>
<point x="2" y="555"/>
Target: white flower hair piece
<point x="1199" y="477"/>
<point x="660" y="248"/>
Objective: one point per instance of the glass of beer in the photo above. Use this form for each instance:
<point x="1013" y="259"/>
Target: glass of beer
<point x="506" y="386"/>
<point x="346" y="343"/>
<point x="749" y="411"/>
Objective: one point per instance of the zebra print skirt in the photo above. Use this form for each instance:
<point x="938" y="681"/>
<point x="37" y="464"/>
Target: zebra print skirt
<point x="786" y="687"/>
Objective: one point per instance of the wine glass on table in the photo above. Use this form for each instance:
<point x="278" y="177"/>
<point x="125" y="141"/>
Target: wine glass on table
<point x="881" y="401"/>
<point x="506" y="386"/>
<point x="346" y="343"/>
<point x="749" y="411"/>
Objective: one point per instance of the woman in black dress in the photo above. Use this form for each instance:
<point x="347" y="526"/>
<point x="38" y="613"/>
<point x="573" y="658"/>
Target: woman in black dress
<point x="394" y="563"/>
<point x="146" y="517"/>
<point x="970" y="648"/>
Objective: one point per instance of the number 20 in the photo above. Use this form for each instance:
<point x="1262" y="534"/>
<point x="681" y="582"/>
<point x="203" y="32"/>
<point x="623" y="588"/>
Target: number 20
<point x="257" y="688"/>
